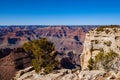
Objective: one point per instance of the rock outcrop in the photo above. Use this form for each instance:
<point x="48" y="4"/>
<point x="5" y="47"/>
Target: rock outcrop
<point x="65" y="74"/>
<point x="100" y="39"/>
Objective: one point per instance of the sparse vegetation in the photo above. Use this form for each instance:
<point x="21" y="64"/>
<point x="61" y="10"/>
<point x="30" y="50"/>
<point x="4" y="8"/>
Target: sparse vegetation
<point x="107" y="31"/>
<point x="110" y="26"/>
<point x="103" y="60"/>
<point x="108" y="43"/>
<point x="44" y="55"/>
<point x="91" y="64"/>
<point x="102" y="28"/>
<point x="114" y="30"/>
<point x="95" y="41"/>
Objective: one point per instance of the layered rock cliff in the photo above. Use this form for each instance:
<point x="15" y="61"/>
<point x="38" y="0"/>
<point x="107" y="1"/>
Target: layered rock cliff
<point x="101" y="39"/>
<point x="65" y="38"/>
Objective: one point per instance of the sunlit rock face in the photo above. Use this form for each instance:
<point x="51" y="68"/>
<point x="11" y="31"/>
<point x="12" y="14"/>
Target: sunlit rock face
<point x="96" y="40"/>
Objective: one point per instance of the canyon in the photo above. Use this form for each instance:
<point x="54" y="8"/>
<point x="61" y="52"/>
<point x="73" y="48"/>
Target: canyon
<point x="76" y="46"/>
<point x="103" y="39"/>
<point x="68" y="40"/>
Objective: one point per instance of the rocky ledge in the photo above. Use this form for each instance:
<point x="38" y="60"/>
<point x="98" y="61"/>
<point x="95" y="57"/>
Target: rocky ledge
<point x="66" y="74"/>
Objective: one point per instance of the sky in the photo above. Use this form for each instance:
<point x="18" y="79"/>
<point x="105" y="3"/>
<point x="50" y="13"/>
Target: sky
<point x="59" y="12"/>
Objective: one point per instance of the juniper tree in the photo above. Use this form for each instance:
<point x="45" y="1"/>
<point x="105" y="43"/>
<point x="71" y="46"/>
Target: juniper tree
<point x="44" y="54"/>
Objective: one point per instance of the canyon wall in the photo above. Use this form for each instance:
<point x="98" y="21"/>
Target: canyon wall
<point x="67" y="40"/>
<point x="100" y="39"/>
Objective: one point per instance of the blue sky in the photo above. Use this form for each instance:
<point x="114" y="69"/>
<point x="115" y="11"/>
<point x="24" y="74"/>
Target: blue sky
<point x="59" y="12"/>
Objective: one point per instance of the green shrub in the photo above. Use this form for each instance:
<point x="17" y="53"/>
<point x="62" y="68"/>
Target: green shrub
<point x="107" y="31"/>
<point x="108" y="43"/>
<point x="114" y="30"/>
<point x="99" y="57"/>
<point x="100" y="29"/>
<point x="44" y="54"/>
<point x="102" y="59"/>
<point x="95" y="41"/>
<point x="101" y="50"/>
<point x="36" y="65"/>
<point x="110" y="56"/>
<point x="48" y="69"/>
<point x="91" y="64"/>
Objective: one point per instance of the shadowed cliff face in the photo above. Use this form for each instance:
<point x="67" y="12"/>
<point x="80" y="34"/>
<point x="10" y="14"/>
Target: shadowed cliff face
<point x="12" y="60"/>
